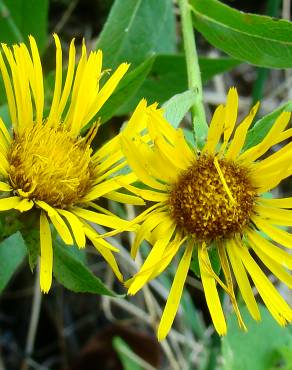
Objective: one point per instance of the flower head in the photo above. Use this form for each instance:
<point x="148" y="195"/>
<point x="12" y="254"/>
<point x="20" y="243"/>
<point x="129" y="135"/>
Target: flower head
<point x="46" y="164"/>
<point x="213" y="199"/>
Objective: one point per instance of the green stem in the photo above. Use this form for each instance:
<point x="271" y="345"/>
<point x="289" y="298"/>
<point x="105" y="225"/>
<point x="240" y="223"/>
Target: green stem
<point x="194" y="74"/>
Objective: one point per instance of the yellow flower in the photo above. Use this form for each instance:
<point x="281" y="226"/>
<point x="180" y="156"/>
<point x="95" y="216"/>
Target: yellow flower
<point x="213" y="199"/>
<point x="45" y="163"/>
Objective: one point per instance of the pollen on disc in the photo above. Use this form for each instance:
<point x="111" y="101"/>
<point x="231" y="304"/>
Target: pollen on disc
<point x="49" y="164"/>
<point x="202" y="206"/>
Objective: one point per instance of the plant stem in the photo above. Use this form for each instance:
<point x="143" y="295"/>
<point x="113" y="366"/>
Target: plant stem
<point x="34" y="319"/>
<point x="194" y="74"/>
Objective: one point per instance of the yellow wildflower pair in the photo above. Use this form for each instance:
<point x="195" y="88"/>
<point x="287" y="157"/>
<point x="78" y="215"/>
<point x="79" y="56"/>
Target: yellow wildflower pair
<point x="202" y="200"/>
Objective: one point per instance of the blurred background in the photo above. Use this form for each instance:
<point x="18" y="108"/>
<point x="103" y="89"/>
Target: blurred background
<point x="90" y="332"/>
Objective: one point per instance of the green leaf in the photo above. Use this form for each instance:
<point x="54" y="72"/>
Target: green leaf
<point x="12" y="253"/>
<point x="71" y="271"/>
<point x="30" y="231"/>
<point x="211" y="67"/>
<point x="214" y="259"/>
<point x="4" y="112"/>
<point x="126" y="355"/>
<point x="259" y="348"/>
<point x="20" y="18"/>
<point x="126" y="90"/>
<point x="135" y="30"/>
<point x="260" y="40"/>
<point x="176" y="107"/>
<point x="168" y="77"/>
<point x="263" y="125"/>
<point x="283" y="358"/>
<point x="191" y="315"/>
<point x="32" y="242"/>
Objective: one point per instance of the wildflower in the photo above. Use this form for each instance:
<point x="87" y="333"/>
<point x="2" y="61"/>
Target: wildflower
<point x="46" y="164"/>
<point x="213" y="199"/>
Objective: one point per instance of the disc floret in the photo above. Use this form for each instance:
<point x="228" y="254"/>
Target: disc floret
<point x="49" y="164"/>
<point x="212" y="199"/>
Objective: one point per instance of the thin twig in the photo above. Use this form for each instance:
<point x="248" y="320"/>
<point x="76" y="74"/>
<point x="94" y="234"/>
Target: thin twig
<point x="64" y="19"/>
<point x="2" y="366"/>
<point x="34" y="319"/>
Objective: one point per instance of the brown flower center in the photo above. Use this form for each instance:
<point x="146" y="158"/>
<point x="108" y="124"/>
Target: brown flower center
<point x="212" y="199"/>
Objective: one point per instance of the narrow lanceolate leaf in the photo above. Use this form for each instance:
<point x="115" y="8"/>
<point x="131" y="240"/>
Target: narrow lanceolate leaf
<point x="247" y="350"/>
<point x="168" y="77"/>
<point x="259" y="40"/>
<point x="176" y="108"/>
<point x="12" y="253"/>
<point x="127" y="357"/>
<point x="263" y="125"/>
<point x="126" y="90"/>
<point x="137" y="29"/>
<point x="20" y="18"/>
<point x="70" y="271"/>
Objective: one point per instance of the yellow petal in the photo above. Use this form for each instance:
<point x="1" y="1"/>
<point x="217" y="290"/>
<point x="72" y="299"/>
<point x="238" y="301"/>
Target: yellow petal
<point x="170" y="252"/>
<point x="154" y="196"/>
<point x="92" y="234"/>
<point x="87" y="91"/>
<point x="77" y="80"/>
<point x="106" y="253"/>
<point x="279" y="236"/>
<point x="139" y="164"/>
<point x="229" y="283"/>
<point x="4" y="186"/>
<point x="272" y="299"/>
<point x="175" y="294"/>
<point x="172" y="154"/>
<point x="104" y="187"/>
<point x="39" y="85"/>
<point x="57" y="221"/>
<point x="211" y="293"/>
<point x="9" y="203"/>
<point x="156" y="117"/>
<point x="277" y="254"/>
<point x="124" y="198"/>
<point x="46" y="259"/>
<point x="158" y="163"/>
<point x="107" y="90"/>
<point x="258" y="150"/>
<point x="24" y="205"/>
<point x="100" y="219"/>
<point x="141" y="278"/>
<point x="215" y="130"/>
<point x="280" y="202"/>
<point x="243" y="282"/>
<point x="69" y="80"/>
<point x="58" y="83"/>
<point x="145" y="229"/>
<point x="76" y="226"/>
<point x="275" y="216"/>
<point x="9" y="91"/>
<point x="4" y="130"/>
<point x="176" y="155"/>
<point x="275" y="161"/>
<point x="274" y="267"/>
<point x="231" y="109"/>
<point x="267" y="181"/>
<point x="240" y="134"/>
